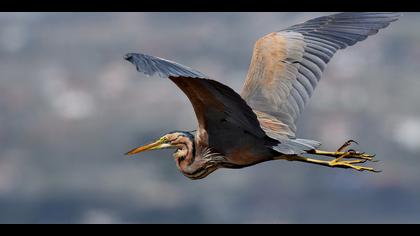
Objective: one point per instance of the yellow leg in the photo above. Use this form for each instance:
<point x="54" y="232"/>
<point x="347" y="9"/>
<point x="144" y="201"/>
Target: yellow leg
<point x="345" y="154"/>
<point x="356" y="155"/>
<point x="336" y="163"/>
<point x="339" y="155"/>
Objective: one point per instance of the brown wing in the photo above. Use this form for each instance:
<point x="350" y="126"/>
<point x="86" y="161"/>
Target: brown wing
<point x="286" y="66"/>
<point x="222" y="114"/>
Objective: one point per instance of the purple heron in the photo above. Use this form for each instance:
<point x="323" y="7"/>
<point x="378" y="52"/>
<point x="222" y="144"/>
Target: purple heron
<point x="259" y="124"/>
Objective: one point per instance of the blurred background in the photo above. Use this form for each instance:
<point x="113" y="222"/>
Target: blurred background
<point x="70" y="106"/>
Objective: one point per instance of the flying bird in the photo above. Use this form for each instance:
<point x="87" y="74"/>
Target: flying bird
<point x="259" y="124"/>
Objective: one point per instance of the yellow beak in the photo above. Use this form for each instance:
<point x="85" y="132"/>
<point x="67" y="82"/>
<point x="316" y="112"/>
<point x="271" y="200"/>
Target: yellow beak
<point x="160" y="144"/>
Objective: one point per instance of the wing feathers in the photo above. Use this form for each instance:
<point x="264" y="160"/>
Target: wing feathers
<point x="309" y="46"/>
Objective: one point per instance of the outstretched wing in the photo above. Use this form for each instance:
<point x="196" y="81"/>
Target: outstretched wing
<point x="287" y="65"/>
<point x="222" y="114"/>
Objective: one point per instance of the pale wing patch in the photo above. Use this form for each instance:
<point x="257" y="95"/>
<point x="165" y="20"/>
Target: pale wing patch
<point x="274" y="68"/>
<point x="272" y="126"/>
<point x="286" y="66"/>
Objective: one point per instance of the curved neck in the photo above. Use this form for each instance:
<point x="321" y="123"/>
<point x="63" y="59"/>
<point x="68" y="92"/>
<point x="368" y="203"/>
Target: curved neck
<point x="185" y="154"/>
<point x="190" y="161"/>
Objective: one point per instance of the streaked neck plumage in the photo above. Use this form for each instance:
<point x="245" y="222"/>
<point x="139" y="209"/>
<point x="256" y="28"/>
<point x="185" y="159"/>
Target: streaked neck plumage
<point x="194" y="163"/>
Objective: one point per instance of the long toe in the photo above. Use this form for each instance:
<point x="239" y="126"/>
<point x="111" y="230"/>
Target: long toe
<point x="349" y="164"/>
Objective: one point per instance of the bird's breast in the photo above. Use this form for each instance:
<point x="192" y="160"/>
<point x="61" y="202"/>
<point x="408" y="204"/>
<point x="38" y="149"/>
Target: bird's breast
<point x="246" y="156"/>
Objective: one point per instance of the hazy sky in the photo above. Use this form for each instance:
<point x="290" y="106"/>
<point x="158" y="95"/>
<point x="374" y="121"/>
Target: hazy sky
<point x="70" y="106"/>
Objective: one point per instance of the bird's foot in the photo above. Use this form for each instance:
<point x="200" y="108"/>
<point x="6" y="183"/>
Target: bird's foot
<point x="341" y="154"/>
<point x="349" y="154"/>
<point x="349" y="164"/>
<point x="338" y="162"/>
<point x="352" y="154"/>
<point x="361" y="155"/>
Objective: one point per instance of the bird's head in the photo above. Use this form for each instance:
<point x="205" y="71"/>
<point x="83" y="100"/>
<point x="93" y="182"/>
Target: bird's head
<point x="192" y="166"/>
<point x="182" y="141"/>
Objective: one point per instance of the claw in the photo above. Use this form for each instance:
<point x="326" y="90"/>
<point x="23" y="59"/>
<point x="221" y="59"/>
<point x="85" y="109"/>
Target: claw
<point x="362" y="155"/>
<point x="346" y="144"/>
<point x="356" y="161"/>
<point x="352" y="141"/>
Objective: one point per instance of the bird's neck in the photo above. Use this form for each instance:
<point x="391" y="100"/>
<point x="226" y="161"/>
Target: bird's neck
<point x="185" y="153"/>
<point x="192" y="161"/>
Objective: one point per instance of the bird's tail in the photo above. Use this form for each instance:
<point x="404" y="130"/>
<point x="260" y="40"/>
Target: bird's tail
<point x="296" y="146"/>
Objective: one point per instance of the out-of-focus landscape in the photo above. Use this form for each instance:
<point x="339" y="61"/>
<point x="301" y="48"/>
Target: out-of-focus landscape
<point x="70" y="107"/>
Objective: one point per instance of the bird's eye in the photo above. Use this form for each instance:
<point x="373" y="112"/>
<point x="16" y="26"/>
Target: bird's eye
<point x="164" y="139"/>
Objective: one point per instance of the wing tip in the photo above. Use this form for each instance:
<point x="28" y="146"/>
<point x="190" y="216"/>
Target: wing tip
<point x="151" y="65"/>
<point x="128" y="56"/>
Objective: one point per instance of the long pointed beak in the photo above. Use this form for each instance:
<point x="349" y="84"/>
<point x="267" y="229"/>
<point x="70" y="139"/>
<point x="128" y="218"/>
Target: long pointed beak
<point x="152" y="146"/>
